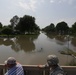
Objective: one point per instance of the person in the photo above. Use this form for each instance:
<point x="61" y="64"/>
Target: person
<point x="13" y="67"/>
<point x="53" y="64"/>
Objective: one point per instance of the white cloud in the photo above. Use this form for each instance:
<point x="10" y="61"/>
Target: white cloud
<point x="71" y="1"/>
<point x="62" y="1"/>
<point x="42" y="1"/>
<point x="66" y="1"/>
<point x="52" y="1"/>
<point x="31" y="5"/>
<point x="24" y="5"/>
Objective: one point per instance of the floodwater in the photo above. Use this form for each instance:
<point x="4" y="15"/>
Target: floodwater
<point x="34" y="49"/>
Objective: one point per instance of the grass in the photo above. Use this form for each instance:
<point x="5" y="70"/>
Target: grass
<point x="68" y="52"/>
<point x="71" y="53"/>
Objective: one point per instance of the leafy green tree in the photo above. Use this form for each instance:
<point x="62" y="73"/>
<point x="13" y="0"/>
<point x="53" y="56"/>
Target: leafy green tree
<point x="1" y="25"/>
<point x="27" y="24"/>
<point x="74" y="28"/>
<point x="8" y="26"/>
<point x="6" y="30"/>
<point x="14" y="21"/>
<point x="50" y="28"/>
<point x="70" y="31"/>
<point x="62" y="28"/>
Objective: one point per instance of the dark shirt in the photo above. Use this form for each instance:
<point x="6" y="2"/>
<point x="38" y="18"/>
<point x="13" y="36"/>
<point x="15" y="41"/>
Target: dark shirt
<point x="57" y="71"/>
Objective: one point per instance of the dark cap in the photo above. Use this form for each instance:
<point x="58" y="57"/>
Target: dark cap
<point x="10" y="60"/>
<point x="52" y="60"/>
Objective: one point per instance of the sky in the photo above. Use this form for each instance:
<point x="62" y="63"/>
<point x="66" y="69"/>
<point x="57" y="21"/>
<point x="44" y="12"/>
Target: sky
<point x="44" y="11"/>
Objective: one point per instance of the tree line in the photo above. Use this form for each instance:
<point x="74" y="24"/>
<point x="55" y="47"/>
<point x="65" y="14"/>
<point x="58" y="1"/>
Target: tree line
<point x="20" y="25"/>
<point x="61" y="28"/>
<point x="27" y="25"/>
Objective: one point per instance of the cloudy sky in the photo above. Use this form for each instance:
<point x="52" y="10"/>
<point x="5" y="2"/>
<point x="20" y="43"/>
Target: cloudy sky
<point x="45" y="11"/>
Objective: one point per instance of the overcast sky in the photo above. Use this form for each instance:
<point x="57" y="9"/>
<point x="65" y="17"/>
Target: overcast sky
<point x="45" y="11"/>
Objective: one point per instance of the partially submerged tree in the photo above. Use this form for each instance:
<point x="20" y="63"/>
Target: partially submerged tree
<point x="74" y="28"/>
<point x="50" y="28"/>
<point x="6" y="30"/>
<point x="62" y="28"/>
<point x="27" y="24"/>
<point x="14" y="21"/>
<point x="1" y="25"/>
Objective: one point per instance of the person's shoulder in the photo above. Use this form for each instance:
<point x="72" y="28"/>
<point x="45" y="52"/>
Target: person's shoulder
<point x="18" y="65"/>
<point x="60" y="74"/>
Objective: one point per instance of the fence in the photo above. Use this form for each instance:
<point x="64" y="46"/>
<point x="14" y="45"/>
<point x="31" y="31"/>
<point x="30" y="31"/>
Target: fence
<point x="36" y="70"/>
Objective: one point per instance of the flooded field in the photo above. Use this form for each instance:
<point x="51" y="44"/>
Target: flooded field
<point x="34" y="49"/>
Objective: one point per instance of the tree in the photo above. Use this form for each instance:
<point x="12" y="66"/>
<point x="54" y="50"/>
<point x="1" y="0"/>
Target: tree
<point x="14" y="21"/>
<point x="7" y="31"/>
<point x="27" y="24"/>
<point x="1" y="25"/>
<point x="74" y="28"/>
<point x="62" y="28"/>
<point x="50" y="28"/>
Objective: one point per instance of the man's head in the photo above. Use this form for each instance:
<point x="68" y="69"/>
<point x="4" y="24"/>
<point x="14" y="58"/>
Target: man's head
<point x="52" y="60"/>
<point x="10" y="62"/>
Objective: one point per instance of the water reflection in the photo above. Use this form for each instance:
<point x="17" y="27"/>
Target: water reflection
<point x="50" y="36"/>
<point x="24" y="43"/>
<point x="6" y="41"/>
<point x="63" y="39"/>
<point x="20" y="43"/>
<point x="59" y="39"/>
<point x="72" y="62"/>
<point x="73" y="41"/>
<point x="1" y="41"/>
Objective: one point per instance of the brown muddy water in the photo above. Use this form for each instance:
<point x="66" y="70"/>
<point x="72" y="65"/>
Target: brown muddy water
<point x="34" y="49"/>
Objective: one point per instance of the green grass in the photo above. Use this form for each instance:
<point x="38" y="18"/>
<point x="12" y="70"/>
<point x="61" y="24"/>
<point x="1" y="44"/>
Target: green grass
<point x="68" y="52"/>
